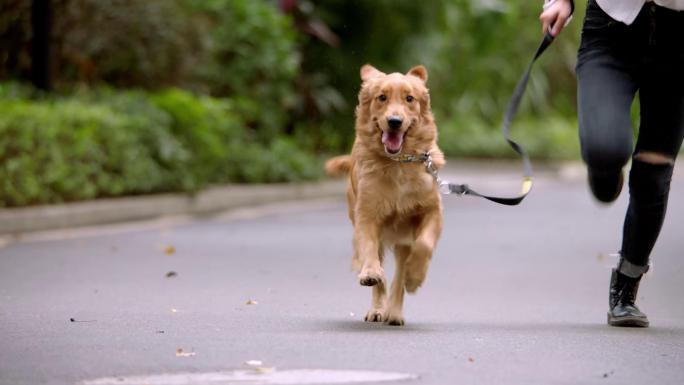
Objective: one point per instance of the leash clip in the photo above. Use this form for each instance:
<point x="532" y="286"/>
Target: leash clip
<point x="445" y="188"/>
<point x="430" y="167"/>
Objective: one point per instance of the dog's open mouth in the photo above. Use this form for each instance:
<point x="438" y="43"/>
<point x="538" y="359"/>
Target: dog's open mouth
<point x="392" y="141"/>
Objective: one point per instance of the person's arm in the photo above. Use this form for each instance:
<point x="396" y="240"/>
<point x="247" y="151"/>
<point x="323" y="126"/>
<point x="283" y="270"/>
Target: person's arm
<point x="556" y="15"/>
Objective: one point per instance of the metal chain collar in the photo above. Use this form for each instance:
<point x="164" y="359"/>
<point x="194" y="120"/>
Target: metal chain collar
<point x="426" y="159"/>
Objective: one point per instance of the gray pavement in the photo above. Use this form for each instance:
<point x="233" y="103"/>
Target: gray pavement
<point x="513" y="296"/>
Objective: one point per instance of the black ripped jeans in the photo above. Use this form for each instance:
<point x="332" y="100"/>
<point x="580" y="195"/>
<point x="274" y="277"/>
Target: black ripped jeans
<point x="615" y="61"/>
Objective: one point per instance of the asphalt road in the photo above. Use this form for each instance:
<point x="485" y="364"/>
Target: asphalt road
<point x="513" y="296"/>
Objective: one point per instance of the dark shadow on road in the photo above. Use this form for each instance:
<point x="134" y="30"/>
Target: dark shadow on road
<point x="358" y="326"/>
<point x="557" y="327"/>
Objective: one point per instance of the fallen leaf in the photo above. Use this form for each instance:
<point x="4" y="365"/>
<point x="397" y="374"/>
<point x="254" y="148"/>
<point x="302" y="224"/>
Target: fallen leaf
<point x="252" y="302"/>
<point x="169" y="250"/>
<point x="181" y="353"/>
<point x="171" y="274"/>
<point x="262" y="370"/>
<point x="75" y="320"/>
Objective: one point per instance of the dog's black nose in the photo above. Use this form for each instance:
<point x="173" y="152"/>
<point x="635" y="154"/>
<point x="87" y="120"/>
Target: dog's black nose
<point x="394" y="122"/>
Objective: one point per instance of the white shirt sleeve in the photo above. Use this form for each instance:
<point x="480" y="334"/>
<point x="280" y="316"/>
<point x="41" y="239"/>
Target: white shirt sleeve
<point x="628" y="10"/>
<point x="622" y="10"/>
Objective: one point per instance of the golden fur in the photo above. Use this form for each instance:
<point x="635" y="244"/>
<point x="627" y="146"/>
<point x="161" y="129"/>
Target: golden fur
<point x="392" y="205"/>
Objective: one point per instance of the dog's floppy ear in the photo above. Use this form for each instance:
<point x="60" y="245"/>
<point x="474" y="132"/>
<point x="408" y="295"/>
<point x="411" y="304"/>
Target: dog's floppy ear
<point x="420" y="72"/>
<point x="368" y="72"/>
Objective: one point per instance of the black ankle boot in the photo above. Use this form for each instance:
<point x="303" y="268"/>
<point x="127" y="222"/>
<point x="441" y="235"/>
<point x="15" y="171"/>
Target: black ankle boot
<point x="623" y="311"/>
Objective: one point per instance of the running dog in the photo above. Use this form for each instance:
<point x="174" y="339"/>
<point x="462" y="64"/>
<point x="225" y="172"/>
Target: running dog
<point x="393" y="202"/>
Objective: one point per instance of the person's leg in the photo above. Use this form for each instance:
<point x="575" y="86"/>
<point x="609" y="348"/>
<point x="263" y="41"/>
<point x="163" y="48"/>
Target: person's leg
<point x="606" y="89"/>
<point x="661" y="130"/>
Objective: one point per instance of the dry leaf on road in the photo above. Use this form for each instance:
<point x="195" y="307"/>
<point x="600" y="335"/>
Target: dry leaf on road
<point x="181" y="353"/>
<point x="262" y="370"/>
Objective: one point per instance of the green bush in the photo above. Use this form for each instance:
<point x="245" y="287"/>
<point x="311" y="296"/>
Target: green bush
<point x="224" y="151"/>
<point x="208" y="129"/>
<point x="58" y="151"/>
<point x="251" y="57"/>
<point x="283" y="161"/>
<point x="552" y="137"/>
<point x="107" y="143"/>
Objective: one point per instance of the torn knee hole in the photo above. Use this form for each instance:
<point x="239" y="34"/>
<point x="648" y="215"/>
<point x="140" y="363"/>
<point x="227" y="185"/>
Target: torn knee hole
<point x="654" y="158"/>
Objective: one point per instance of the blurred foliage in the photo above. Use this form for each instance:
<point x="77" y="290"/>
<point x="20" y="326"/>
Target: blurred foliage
<point x="123" y="43"/>
<point x="250" y="55"/>
<point x="64" y="150"/>
<point x="239" y="48"/>
<point x="109" y="143"/>
<point x="214" y="91"/>
<point x="553" y="138"/>
<point x="475" y="52"/>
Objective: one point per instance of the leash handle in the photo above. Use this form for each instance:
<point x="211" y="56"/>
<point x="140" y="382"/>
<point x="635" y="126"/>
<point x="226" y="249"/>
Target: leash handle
<point x="511" y="111"/>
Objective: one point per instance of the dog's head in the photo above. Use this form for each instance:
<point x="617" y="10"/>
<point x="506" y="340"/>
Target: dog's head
<point x="394" y="111"/>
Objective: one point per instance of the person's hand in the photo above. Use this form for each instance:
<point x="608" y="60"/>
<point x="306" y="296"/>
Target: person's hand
<point x="555" y="15"/>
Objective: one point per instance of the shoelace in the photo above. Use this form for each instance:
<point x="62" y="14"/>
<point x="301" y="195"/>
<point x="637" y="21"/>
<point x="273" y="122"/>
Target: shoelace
<point x="627" y="294"/>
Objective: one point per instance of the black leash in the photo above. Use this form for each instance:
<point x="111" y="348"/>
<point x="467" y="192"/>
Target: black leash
<point x="463" y="189"/>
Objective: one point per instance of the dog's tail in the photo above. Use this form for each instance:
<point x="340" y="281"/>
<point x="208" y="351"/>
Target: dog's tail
<point x="339" y="166"/>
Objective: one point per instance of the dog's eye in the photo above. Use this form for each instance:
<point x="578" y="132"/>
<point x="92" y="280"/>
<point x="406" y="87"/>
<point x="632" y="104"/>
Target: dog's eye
<point x="409" y="98"/>
<point x="382" y="97"/>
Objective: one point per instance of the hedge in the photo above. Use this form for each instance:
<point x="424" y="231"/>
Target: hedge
<point x="105" y="143"/>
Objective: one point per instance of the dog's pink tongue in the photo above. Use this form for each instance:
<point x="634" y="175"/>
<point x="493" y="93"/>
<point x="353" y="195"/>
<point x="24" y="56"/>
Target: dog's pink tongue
<point x="392" y="141"/>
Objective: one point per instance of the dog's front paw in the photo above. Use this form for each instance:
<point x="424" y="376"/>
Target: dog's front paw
<point x="375" y="315"/>
<point x="395" y="319"/>
<point x="369" y="277"/>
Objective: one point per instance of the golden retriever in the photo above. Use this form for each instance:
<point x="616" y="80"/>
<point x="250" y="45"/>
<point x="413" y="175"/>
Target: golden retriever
<point x="392" y="205"/>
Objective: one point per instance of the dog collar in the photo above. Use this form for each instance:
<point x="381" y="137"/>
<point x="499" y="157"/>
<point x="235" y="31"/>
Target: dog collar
<point x="410" y="158"/>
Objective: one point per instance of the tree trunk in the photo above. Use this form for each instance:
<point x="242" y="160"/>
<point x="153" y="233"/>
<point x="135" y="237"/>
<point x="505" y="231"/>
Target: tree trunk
<point x="41" y="19"/>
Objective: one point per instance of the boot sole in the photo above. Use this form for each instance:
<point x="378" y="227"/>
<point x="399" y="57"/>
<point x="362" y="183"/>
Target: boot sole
<point x="635" y="322"/>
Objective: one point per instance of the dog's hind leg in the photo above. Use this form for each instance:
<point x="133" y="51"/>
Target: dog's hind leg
<point x="424" y="244"/>
<point x="396" y="299"/>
